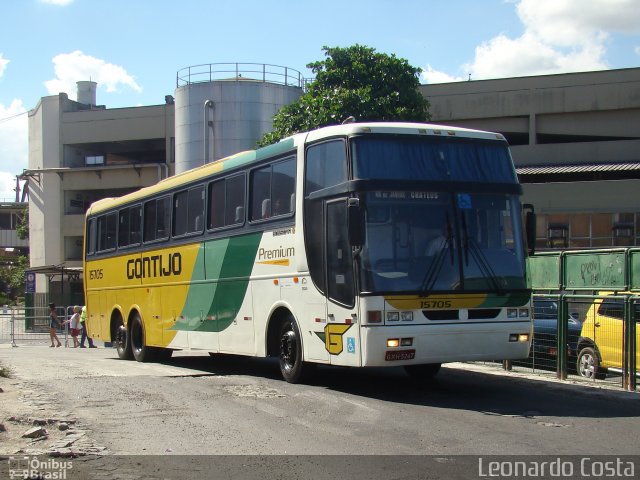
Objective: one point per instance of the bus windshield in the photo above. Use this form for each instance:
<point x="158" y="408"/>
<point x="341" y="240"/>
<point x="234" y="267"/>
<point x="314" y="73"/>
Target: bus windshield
<point x="426" y="242"/>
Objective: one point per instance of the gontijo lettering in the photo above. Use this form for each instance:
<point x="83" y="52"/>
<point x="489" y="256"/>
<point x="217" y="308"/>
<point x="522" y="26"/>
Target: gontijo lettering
<point x="154" y="266"/>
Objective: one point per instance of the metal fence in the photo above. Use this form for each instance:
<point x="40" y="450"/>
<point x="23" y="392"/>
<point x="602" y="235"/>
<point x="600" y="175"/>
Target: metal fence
<point x="30" y="325"/>
<point x="585" y="337"/>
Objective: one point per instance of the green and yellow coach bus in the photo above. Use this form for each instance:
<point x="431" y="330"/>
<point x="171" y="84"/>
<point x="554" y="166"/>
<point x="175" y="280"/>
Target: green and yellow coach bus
<point x="365" y="244"/>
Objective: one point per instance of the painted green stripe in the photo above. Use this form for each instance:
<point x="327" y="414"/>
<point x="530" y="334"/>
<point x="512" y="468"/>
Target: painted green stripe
<point x="218" y="290"/>
<point x="275" y="149"/>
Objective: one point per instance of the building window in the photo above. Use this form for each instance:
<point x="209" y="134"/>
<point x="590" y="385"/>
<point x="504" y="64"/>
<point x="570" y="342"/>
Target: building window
<point x="558" y="235"/>
<point x="92" y="160"/>
<point x="73" y="248"/>
<point x="8" y="221"/>
<point x="588" y="230"/>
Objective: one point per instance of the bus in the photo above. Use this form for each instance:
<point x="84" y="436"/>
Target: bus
<point x="361" y="245"/>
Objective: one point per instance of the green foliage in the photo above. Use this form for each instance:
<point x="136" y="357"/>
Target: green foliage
<point x="22" y="229"/>
<point x="354" y="81"/>
<point x="12" y="278"/>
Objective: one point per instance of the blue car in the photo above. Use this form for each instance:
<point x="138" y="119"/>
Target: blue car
<point x="544" y="348"/>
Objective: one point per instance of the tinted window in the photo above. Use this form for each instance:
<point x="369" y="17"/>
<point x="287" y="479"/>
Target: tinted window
<point x="431" y="159"/>
<point x="188" y="211"/>
<point x="339" y="260"/>
<point x="226" y="202"/>
<point x="107" y="232"/>
<point x="91" y="236"/>
<point x="326" y="166"/>
<point x="129" y="227"/>
<point x="612" y="308"/>
<point x="273" y="190"/>
<point x="216" y="204"/>
<point x="156" y="219"/>
<point x="234" y="200"/>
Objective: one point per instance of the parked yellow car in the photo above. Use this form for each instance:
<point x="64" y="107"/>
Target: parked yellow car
<point x="601" y="342"/>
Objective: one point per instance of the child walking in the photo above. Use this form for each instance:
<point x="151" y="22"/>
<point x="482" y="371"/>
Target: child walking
<point x="54" y="324"/>
<point x="74" y="326"/>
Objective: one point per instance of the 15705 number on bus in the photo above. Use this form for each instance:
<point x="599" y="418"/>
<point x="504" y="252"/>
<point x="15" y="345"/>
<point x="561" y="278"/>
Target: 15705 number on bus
<point x="429" y="304"/>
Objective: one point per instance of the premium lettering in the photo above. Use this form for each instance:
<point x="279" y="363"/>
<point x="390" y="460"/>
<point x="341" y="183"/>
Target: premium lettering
<point x="154" y="266"/>
<point x="264" y="254"/>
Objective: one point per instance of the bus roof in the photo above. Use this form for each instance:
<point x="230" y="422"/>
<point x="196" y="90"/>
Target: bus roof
<point x="287" y="145"/>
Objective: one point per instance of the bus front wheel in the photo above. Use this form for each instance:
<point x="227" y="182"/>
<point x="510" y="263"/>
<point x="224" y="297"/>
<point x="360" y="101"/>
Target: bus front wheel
<point x="292" y="367"/>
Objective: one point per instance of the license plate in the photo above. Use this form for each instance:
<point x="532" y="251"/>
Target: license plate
<point x="400" y="355"/>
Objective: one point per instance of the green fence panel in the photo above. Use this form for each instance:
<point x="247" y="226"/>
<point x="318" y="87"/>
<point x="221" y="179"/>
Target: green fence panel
<point x="594" y="270"/>
<point x="634" y="270"/>
<point x="544" y="271"/>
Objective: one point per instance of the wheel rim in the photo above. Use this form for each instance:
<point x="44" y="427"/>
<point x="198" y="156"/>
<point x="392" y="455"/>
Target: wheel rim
<point x="136" y="337"/>
<point x="587" y="365"/>
<point x="288" y="350"/>
<point x="121" y="337"/>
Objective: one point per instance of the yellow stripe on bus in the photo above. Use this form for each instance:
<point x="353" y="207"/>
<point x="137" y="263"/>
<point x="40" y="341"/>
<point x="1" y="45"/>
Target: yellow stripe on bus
<point x="416" y="302"/>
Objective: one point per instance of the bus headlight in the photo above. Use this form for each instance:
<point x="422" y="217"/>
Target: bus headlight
<point x="393" y="316"/>
<point x="512" y="313"/>
<point x="393" y="342"/>
<point x="406" y="316"/>
<point x="519" y="337"/>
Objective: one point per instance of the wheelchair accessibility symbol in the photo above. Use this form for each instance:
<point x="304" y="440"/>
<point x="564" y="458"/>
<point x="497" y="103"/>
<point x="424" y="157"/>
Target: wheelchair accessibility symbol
<point x="351" y="345"/>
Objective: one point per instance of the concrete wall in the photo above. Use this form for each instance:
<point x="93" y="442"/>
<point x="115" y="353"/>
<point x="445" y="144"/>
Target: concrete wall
<point x="117" y="124"/>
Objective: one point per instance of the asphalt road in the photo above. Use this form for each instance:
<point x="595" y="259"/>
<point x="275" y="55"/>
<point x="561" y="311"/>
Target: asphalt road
<point x="376" y="423"/>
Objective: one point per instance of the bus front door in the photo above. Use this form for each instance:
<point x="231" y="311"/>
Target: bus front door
<point x="341" y="330"/>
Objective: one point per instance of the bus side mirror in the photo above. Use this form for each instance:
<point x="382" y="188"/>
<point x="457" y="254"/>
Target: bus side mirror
<point x="355" y="223"/>
<point x="530" y="227"/>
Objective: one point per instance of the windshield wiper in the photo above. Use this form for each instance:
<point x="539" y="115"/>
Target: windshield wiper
<point x="471" y="245"/>
<point x="433" y="271"/>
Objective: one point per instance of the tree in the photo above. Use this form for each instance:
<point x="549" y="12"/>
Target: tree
<point x="354" y="81"/>
<point x="12" y="278"/>
<point x="22" y="229"/>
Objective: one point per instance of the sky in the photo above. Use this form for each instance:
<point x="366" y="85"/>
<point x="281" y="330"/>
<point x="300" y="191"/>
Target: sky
<point x="134" y="48"/>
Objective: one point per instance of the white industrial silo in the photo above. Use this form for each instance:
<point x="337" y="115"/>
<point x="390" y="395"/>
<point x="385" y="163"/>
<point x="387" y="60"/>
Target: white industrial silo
<point x="87" y="92"/>
<point x="225" y="108"/>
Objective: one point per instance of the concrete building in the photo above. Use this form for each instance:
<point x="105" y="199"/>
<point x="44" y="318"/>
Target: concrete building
<point x="80" y="152"/>
<point x="576" y="144"/>
<point x="10" y="216"/>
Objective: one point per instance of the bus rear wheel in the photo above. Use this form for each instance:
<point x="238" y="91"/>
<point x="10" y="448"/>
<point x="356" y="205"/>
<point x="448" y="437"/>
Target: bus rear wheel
<point x="423" y="372"/>
<point x="141" y="352"/>
<point x="292" y="368"/>
<point x="121" y="340"/>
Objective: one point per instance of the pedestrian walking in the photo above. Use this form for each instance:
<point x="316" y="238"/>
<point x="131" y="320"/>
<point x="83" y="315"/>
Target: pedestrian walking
<point x="74" y="326"/>
<point x="83" y="327"/>
<point x="54" y="324"/>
